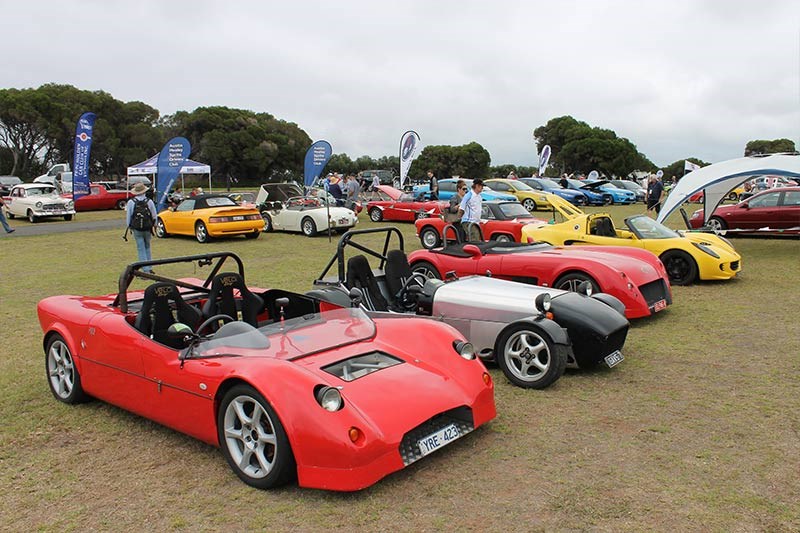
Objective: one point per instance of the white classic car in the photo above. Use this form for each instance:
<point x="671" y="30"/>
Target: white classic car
<point x="37" y="200"/>
<point x="284" y="208"/>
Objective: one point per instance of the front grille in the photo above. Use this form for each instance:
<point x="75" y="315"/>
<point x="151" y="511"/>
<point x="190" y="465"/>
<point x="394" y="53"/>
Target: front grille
<point x="735" y="266"/>
<point x="52" y="207"/>
<point x="655" y="291"/>
<point x="460" y="416"/>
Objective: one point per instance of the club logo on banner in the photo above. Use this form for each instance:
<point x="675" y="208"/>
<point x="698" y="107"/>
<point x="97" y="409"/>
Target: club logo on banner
<point x="544" y="158"/>
<point x="409" y="143"/>
<point x="83" y="147"/>
<point x="170" y="161"/>
<point x="317" y="157"/>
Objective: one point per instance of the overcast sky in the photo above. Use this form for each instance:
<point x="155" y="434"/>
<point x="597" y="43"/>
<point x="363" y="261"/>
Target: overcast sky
<point x="679" y="78"/>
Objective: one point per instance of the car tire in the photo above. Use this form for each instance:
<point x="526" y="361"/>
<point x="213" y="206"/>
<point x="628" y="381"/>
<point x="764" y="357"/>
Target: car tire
<point x="121" y="204"/>
<point x="717" y="224"/>
<point x="501" y="237"/>
<point x="67" y="217"/>
<point x="161" y="229"/>
<point x="680" y="266"/>
<point x="253" y="439"/>
<point x="267" y="221"/>
<point x="608" y="199"/>
<point x="62" y="374"/>
<point x="426" y="269"/>
<point x="201" y="232"/>
<point x="429" y="238"/>
<point x="733" y="196"/>
<point x="9" y="215"/>
<point x="253" y="235"/>
<point x="375" y="214"/>
<point x="33" y="219"/>
<point x="529" y="204"/>
<point x="308" y="227"/>
<point x="571" y="280"/>
<point x="529" y="358"/>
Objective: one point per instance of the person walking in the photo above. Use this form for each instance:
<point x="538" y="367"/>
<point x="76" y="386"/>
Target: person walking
<point x="434" y="185"/>
<point x="451" y="214"/>
<point x="376" y="182"/>
<point x="353" y="190"/>
<point x="470" y="211"/>
<point x="140" y="217"/>
<point x="3" y="220"/>
<point x="654" y="192"/>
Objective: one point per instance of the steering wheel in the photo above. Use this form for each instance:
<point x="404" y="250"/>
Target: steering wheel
<point x="404" y="299"/>
<point x="211" y="320"/>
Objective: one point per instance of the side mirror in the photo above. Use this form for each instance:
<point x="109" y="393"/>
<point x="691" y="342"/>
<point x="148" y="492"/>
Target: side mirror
<point x="181" y="333"/>
<point x="744" y="205"/>
<point x="356" y="297"/>
<point x="472" y="250"/>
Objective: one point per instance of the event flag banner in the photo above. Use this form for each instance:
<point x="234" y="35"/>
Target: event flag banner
<point x="688" y="166"/>
<point x="544" y="158"/>
<point x="83" y="146"/>
<point x="409" y="143"/>
<point x="170" y="161"/>
<point x="317" y="157"/>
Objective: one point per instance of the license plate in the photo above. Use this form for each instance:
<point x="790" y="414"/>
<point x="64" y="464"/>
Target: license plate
<point x="660" y="305"/>
<point x="614" y="358"/>
<point x="434" y="441"/>
<point x="238" y="217"/>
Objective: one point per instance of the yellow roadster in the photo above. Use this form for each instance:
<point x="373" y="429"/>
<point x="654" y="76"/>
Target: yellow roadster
<point x="210" y="215"/>
<point x="687" y="256"/>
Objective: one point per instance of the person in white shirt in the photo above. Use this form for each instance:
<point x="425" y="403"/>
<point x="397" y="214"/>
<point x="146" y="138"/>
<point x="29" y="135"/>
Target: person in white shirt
<point x="470" y="211"/>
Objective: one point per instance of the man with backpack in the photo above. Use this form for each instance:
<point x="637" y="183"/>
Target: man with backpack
<point x="141" y="218"/>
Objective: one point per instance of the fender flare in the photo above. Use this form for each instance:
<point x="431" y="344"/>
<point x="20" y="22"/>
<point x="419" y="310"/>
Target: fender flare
<point x="556" y="333"/>
<point x="611" y="301"/>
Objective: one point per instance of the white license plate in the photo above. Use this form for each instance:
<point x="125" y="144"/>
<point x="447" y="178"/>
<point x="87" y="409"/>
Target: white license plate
<point x="614" y="358"/>
<point x="238" y="217"/>
<point x="660" y="305"/>
<point x="434" y="441"/>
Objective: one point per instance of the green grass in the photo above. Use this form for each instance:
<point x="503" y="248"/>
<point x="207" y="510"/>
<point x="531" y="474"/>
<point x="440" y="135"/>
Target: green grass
<point x="698" y="429"/>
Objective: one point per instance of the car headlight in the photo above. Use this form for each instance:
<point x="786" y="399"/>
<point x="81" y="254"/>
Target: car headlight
<point x="69" y="205"/>
<point x="329" y="398"/>
<point x="696" y="214"/>
<point x="543" y="302"/>
<point x="38" y="205"/>
<point x="464" y="349"/>
<point x="706" y="249"/>
<point x="585" y="288"/>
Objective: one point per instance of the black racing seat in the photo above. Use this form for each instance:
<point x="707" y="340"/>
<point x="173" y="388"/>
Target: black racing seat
<point x="398" y="271"/>
<point x="156" y="315"/>
<point x="604" y="228"/>
<point x="222" y="301"/>
<point x="359" y="274"/>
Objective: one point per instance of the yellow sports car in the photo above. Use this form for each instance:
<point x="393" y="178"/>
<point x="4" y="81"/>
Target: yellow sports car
<point x="210" y="215"/>
<point x="527" y="195"/>
<point x="686" y="256"/>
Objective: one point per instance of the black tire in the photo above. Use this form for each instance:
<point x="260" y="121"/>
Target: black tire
<point x="608" y="199"/>
<point x="201" y="232"/>
<point x="733" y="196"/>
<point x="308" y="226"/>
<point x="523" y="347"/>
<point x="121" y="204"/>
<point x="62" y="374"/>
<point x="529" y="204"/>
<point x="717" y="224"/>
<point x="267" y="221"/>
<point x="33" y="219"/>
<point x="502" y="237"/>
<point x="253" y="235"/>
<point x="67" y="217"/>
<point x="375" y="214"/>
<point x="259" y="461"/>
<point x="426" y="269"/>
<point x="681" y="267"/>
<point x="10" y="215"/>
<point x="161" y="229"/>
<point x="420" y="214"/>
<point x="571" y="280"/>
<point x="429" y="238"/>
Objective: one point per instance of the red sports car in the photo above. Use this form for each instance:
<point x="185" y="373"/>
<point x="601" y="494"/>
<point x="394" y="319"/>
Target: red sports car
<point x="101" y="198"/>
<point x="395" y="204"/>
<point x="635" y="276"/>
<point x="773" y="209"/>
<point x="500" y="221"/>
<point x="295" y="387"/>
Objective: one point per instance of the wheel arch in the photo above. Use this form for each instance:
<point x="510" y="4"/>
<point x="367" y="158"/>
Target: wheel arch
<point x="556" y="333"/>
<point x="493" y="236"/>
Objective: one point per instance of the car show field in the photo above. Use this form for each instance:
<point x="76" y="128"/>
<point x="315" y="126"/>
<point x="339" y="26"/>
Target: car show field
<point x="698" y="429"/>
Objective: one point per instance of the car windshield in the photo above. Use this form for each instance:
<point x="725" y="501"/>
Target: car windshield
<point x="291" y="339"/>
<point x="220" y="201"/>
<point x="515" y="210"/>
<point x="576" y="183"/>
<point x="522" y="186"/>
<point x="647" y="228"/>
<point x="41" y="191"/>
<point x="549" y="184"/>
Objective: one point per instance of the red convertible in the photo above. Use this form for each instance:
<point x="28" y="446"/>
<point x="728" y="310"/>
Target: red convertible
<point x="500" y="221"/>
<point x="635" y="276"/>
<point x="287" y="386"/>
<point x="395" y="204"/>
<point x="101" y="198"/>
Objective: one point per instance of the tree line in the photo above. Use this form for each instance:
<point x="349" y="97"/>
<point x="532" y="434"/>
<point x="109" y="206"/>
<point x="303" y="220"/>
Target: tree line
<point x="37" y="128"/>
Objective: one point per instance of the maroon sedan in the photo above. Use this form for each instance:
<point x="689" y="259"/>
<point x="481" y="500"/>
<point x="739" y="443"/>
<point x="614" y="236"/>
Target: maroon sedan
<point x="773" y="209"/>
<point x="101" y="198"/>
<point x="394" y="204"/>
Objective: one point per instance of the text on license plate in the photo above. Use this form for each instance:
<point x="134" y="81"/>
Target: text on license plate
<point x="238" y="217"/>
<point x="614" y="358"/>
<point x="660" y="305"/>
<point x="434" y="441"/>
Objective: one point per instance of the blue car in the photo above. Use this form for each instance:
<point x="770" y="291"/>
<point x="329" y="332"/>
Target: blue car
<point x="548" y="185"/>
<point x="635" y="188"/>
<point x="447" y="189"/>
<point x="618" y="196"/>
<point x="594" y="197"/>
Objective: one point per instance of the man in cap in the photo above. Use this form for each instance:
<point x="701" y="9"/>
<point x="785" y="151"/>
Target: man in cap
<point x="140" y="217"/>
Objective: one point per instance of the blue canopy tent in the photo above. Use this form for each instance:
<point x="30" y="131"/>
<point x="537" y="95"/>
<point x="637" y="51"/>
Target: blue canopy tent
<point x="150" y="167"/>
